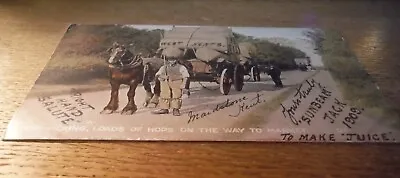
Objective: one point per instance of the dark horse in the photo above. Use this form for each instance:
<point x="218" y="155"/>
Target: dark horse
<point x="129" y="69"/>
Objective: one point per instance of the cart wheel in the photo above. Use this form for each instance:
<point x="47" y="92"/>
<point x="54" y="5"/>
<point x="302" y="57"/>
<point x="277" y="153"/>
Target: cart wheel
<point x="252" y="74"/>
<point x="255" y="73"/>
<point x="224" y="83"/>
<point x="238" y="77"/>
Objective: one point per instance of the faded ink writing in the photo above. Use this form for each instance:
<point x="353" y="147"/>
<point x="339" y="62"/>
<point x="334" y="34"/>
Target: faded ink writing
<point x="332" y="137"/>
<point x="219" y="107"/>
<point x="302" y="92"/>
<point x="66" y="109"/>
<point x="243" y="104"/>
<point x="254" y="102"/>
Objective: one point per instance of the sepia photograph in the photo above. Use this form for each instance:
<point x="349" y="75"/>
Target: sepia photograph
<point x="204" y="83"/>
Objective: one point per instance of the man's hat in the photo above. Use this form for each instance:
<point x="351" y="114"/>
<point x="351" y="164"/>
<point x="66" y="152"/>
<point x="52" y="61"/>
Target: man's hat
<point x="172" y="52"/>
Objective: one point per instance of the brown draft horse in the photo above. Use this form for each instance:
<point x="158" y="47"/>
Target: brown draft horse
<point x="129" y="69"/>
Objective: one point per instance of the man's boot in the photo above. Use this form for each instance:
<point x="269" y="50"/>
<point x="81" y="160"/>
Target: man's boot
<point x="185" y="93"/>
<point x="161" y="111"/>
<point x="176" y="112"/>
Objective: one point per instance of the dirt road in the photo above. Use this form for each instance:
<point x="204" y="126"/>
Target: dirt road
<point x="206" y="114"/>
<point x="202" y="103"/>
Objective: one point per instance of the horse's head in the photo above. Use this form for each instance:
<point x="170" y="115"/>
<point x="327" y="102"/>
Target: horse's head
<point x="117" y="53"/>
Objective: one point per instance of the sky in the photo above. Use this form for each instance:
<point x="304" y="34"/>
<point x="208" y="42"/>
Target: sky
<point x="258" y="32"/>
<point x="295" y="35"/>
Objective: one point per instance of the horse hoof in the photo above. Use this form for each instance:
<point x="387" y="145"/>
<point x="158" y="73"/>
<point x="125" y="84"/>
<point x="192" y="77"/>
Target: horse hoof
<point x="145" y="104"/>
<point x="107" y="112"/>
<point x="129" y="112"/>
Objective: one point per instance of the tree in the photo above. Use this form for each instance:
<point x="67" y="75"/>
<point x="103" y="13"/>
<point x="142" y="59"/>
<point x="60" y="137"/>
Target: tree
<point x="317" y="38"/>
<point x="266" y="51"/>
<point x="94" y="40"/>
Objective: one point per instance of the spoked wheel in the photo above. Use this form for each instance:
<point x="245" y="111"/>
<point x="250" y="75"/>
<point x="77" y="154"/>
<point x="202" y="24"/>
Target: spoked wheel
<point x="255" y="73"/>
<point x="238" y="77"/>
<point x="224" y="83"/>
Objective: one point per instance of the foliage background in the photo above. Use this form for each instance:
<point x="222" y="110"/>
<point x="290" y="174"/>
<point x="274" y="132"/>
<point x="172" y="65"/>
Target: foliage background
<point x="267" y="52"/>
<point x="356" y="85"/>
<point x="80" y="57"/>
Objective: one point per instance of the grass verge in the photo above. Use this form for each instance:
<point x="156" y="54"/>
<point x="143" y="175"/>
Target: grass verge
<point x="356" y="85"/>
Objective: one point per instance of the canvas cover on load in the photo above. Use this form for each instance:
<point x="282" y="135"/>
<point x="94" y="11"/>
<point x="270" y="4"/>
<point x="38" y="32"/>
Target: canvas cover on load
<point x="210" y="43"/>
<point x="208" y="54"/>
<point x="217" y="38"/>
<point x="246" y="50"/>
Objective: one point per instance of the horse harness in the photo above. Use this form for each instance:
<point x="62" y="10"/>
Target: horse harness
<point x="129" y="61"/>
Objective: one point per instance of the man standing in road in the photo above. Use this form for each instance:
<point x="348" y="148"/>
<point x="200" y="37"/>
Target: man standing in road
<point x="173" y="78"/>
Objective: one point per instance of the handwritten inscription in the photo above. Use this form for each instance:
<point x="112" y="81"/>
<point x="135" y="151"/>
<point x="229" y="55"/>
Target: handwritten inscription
<point x="66" y="109"/>
<point x="351" y="118"/>
<point x="368" y="137"/>
<point x="334" y="111"/>
<point x="243" y="104"/>
<point x="309" y="137"/>
<point x="337" y="110"/>
<point x="302" y="92"/>
<point x="219" y="107"/>
<point x="331" y="137"/>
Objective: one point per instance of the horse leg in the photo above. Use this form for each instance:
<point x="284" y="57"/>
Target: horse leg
<point x="157" y="91"/>
<point x="112" y="105"/>
<point x="146" y="84"/>
<point x="149" y="93"/>
<point x="131" y="107"/>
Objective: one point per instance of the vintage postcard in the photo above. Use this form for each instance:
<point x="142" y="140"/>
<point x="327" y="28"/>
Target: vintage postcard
<point x="204" y="83"/>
